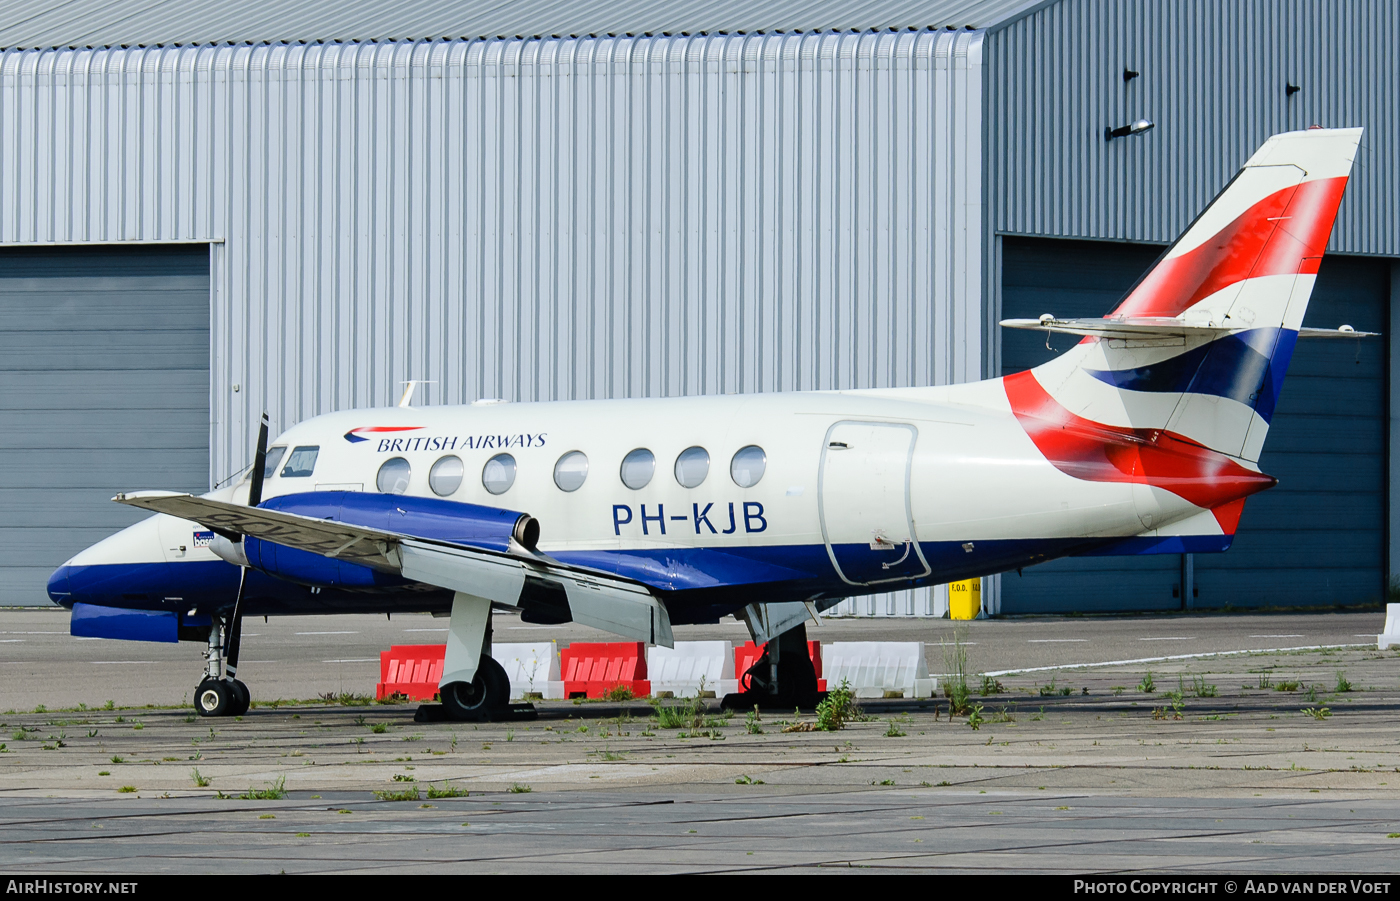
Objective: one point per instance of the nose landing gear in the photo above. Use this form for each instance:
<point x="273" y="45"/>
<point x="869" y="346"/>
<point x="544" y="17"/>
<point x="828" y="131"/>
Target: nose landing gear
<point x="220" y="693"/>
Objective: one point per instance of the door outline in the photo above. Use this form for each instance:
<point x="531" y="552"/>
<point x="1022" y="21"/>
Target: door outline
<point x="908" y="499"/>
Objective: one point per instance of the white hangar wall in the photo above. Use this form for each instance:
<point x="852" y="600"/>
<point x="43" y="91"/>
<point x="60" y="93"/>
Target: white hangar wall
<point x="529" y="219"/>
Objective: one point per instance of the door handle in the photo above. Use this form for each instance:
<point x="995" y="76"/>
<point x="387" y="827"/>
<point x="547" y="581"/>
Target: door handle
<point x="907" y="546"/>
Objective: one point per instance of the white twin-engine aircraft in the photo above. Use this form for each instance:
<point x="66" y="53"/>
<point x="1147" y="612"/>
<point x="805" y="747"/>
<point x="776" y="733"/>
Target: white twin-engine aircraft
<point x="634" y="515"/>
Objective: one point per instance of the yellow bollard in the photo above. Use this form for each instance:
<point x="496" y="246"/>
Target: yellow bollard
<point x="965" y="599"/>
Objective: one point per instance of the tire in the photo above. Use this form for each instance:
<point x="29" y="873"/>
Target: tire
<point x="240" y="700"/>
<point x="475" y="701"/>
<point x="212" y="698"/>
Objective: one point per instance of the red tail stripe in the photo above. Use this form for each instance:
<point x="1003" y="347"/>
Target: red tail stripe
<point x="1096" y="452"/>
<point x="1283" y="234"/>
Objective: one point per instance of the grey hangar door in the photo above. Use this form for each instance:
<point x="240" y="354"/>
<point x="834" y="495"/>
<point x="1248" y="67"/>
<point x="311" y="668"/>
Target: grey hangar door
<point x="104" y="387"/>
<point x="1318" y="537"/>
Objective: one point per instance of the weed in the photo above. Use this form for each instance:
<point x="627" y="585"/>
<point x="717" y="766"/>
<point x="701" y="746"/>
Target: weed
<point x="407" y="794"/>
<point x="103" y="773"/>
<point x="403" y="777"/>
<point x="199" y="780"/>
<point x="974" y="717"/>
<point x="991" y="686"/>
<point x="303" y="835"/>
<point x="1038" y="716"/>
<point x="1318" y="713"/>
<point x="108" y="706"/>
<point x="955" y="662"/>
<point x="1049" y="689"/>
<point x="751" y="722"/>
<point x="675" y="716"/>
<point x="138" y="727"/>
<point x="447" y="791"/>
<point x="1147" y="686"/>
<point x="360" y="720"/>
<point x="620" y="693"/>
<point x="510" y="735"/>
<point x="1265" y="682"/>
<point x="894" y="731"/>
<point x="1119" y="689"/>
<point x="379" y="728"/>
<point x="268" y="816"/>
<point x="605" y="754"/>
<point x="412" y="738"/>
<point x="838" y="708"/>
<point x="1201" y="689"/>
<point x="275" y="791"/>
<point x="748" y="780"/>
<point x="1287" y="686"/>
<point x="120" y="719"/>
<point x="1311" y="694"/>
<point x="1342" y="684"/>
<point x="126" y="789"/>
<point x="1003" y="716"/>
<point x="119" y="760"/>
<point x="517" y="789"/>
<point x="885" y="782"/>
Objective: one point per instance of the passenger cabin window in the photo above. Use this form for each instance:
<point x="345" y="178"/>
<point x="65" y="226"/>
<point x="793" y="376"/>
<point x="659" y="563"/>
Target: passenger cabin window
<point x="571" y="470"/>
<point x="274" y="456"/>
<point x="498" y="474"/>
<point x="747" y="466"/>
<point x="637" y="468"/>
<point x="393" y="476"/>
<point x="446" y="476"/>
<point x="692" y="466"/>
<point x="301" y="462"/>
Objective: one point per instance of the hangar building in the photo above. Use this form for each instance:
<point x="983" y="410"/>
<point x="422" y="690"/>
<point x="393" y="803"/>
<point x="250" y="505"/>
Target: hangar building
<point x="211" y="209"/>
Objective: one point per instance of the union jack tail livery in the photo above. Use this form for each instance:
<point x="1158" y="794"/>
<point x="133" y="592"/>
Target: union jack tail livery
<point x="1175" y="388"/>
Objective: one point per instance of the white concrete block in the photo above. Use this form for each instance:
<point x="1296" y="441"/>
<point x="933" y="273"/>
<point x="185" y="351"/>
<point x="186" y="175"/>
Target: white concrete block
<point x="1390" y="638"/>
<point x="532" y="667"/>
<point x="679" y="670"/>
<point x="877" y="669"/>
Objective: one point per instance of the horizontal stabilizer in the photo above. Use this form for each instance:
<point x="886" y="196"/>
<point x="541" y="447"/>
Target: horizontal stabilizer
<point x="1148" y="328"/>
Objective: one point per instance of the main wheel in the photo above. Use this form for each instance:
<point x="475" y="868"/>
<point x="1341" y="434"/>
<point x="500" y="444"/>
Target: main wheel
<point x="488" y="690"/>
<point x="212" y="698"/>
<point x="240" y="700"/>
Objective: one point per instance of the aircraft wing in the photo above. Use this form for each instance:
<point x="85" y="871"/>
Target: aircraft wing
<point x="604" y="601"/>
<point x="1147" y="328"/>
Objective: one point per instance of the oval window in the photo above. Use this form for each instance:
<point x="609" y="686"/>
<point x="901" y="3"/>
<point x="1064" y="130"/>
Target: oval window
<point x="571" y="470"/>
<point x="446" y="476"/>
<point x="637" y="468"/>
<point x="393" y="476"/>
<point x="747" y="466"/>
<point x="692" y="466"/>
<point x="498" y="474"/>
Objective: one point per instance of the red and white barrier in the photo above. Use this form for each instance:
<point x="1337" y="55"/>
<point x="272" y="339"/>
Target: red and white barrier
<point x="594" y="669"/>
<point x="879" y="669"/>
<point x="692" y="669"/>
<point x="533" y="668"/>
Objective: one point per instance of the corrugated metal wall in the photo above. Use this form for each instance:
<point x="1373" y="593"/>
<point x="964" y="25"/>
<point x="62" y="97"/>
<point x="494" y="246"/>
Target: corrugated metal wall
<point x="1213" y="79"/>
<point x="529" y="219"/>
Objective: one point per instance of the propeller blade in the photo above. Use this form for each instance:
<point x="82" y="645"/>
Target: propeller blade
<point x="255" y="489"/>
<point x="235" y="627"/>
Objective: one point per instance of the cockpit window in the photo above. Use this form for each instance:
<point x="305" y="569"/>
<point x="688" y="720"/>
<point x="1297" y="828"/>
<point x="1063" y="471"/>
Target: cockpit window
<point x="274" y="456"/>
<point x="301" y="462"/>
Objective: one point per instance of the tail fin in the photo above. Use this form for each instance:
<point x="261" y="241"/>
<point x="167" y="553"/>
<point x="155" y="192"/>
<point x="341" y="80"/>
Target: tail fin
<point x="1235" y="286"/>
<point x="1176" y="387"/>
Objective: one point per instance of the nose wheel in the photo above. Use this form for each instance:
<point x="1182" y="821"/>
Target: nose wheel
<point x="219" y="693"/>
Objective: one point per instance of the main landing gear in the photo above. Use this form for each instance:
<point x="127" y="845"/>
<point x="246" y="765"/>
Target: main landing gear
<point x="474" y="686"/>
<point x="782" y="678"/>
<point x="220" y="693"/>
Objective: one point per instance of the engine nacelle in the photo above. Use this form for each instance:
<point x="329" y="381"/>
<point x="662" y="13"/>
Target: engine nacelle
<point x="470" y="524"/>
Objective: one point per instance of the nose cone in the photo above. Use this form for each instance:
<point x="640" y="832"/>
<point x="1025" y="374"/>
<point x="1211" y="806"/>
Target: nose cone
<point x="60" y="591"/>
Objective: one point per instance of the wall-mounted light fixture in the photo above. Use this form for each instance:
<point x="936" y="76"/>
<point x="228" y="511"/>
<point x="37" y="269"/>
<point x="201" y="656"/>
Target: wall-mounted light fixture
<point x="1289" y="88"/>
<point x="1123" y="131"/>
<point x="1129" y="74"/>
